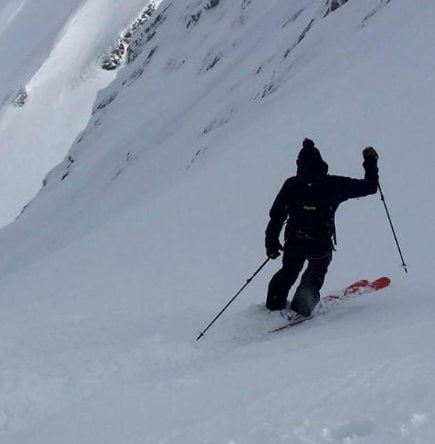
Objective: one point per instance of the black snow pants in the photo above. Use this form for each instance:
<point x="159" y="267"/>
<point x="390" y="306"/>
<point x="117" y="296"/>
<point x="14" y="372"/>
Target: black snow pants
<point x="307" y="295"/>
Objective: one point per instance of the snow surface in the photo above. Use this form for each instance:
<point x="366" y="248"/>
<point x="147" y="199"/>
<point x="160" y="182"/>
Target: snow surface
<point x="156" y="218"/>
<point x="53" y="50"/>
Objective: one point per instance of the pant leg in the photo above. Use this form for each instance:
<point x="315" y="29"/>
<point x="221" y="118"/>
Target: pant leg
<point x="280" y="284"/>
<point x="308" y="292"/>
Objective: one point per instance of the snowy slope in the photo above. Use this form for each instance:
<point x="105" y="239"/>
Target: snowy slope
<point x="51" y="54"/>
<point x="156" y="218"/>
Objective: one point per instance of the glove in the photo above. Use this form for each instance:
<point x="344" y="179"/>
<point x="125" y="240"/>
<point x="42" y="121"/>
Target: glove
<point x="370" y="153"/>
<point x="273" y="251"/>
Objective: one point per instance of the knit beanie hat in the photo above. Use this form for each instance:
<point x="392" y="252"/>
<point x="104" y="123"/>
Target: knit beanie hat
<point x="310" y="161"/>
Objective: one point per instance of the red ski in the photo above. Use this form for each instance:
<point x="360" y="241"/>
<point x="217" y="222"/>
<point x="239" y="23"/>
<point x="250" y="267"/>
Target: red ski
<point x="356" y="289"/>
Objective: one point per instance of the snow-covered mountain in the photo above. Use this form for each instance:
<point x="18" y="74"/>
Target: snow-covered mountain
<point x="155" y="218"/>
<point x="51" y="56"/>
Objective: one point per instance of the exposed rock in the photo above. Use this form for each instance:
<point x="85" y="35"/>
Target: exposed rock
<point x="143" y="35"/>
<point x="116" y="56"/>
<point x="333" y="5"/>
<point x="211" y="4"/>
<point x="20" y="98"/>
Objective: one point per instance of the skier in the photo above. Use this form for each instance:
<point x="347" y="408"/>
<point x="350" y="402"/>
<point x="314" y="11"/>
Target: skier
<point x="308" y="202"/>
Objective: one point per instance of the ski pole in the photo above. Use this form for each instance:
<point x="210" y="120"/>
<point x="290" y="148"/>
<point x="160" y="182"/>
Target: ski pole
<point x="392" y="228"/>
<point x="232" y="299"/>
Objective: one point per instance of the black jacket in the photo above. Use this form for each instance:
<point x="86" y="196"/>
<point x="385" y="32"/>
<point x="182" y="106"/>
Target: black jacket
<point x="297" y="193"/>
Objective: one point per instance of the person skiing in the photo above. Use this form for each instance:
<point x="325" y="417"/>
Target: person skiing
<point x="307" y="203"/>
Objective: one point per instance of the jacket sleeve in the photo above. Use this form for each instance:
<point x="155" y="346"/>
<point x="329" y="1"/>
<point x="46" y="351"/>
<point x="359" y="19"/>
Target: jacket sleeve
<point x="349" y="188"/>
<point x="278" y="214"/>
